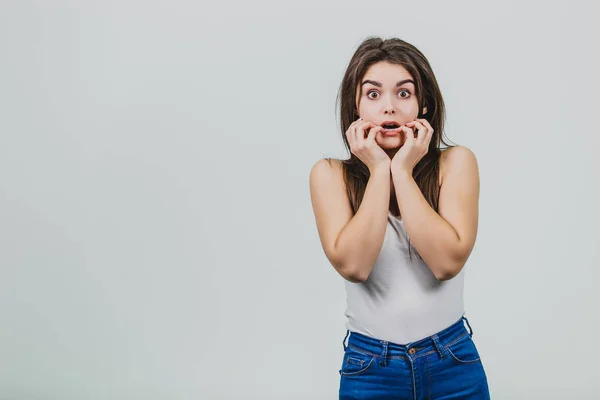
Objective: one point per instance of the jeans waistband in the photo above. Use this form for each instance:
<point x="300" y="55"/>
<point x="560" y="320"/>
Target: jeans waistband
<point x="438" y="342"/>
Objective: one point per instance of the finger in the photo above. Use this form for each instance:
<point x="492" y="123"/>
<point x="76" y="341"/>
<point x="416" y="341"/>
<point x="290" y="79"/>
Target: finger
<point x="350" y="135"/>
<point x="426" y="140"/>
<point x="361" y="128"/>
<point x="422" y="131"/>
<point x="357" y="121"/>
<point x="358" y="134"/>
<point x="429" y="136"/>
<point x="425" y="122"/>
<point x="409" y="133"/>
<point x="372" y="133"/>
<point x="430" y="129"/>
<point x="355" y="135"/>
<point x="353" y="124"/>
<point x="349" y="132"/>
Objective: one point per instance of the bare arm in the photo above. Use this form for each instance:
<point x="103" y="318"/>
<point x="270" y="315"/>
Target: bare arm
<point x="443" y="240"/>
<point x="351" y="242"/>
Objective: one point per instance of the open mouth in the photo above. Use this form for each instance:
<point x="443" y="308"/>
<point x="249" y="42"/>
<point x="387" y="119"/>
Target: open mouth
<point x="389" y="126"/>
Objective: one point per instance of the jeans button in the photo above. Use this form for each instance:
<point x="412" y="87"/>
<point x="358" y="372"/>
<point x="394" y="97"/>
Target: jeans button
<point x="412" y="351"/>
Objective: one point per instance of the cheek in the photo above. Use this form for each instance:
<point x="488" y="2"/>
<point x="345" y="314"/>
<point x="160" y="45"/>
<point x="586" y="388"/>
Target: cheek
<point x="365" y="112"/>
<point x="412" y="108"/>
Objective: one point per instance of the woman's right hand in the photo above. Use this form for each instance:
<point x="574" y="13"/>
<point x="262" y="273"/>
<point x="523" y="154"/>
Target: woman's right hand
<point x="366" y="149"/>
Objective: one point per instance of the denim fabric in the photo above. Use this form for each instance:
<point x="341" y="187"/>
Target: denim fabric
<point x="444" y="366"/>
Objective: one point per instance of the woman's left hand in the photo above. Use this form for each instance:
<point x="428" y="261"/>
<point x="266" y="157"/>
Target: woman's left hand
<point x="413" y="148"/>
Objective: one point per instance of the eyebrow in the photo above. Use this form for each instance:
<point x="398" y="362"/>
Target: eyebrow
<point x="378" y="84"/>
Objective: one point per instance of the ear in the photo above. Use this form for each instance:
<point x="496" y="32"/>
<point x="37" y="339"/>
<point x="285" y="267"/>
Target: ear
<point x="425" y="108"/>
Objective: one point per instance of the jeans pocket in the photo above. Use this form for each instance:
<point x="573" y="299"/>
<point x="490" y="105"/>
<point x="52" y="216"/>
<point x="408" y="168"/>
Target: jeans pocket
<point x="355" y="362"/>
<point x="464" y="350"/>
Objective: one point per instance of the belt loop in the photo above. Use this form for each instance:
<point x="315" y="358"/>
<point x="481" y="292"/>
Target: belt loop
<point x="441" y="349"/>
<point x="383" y="362"/>
<point x="344" y="341"/>
<point x="470" y="329"/>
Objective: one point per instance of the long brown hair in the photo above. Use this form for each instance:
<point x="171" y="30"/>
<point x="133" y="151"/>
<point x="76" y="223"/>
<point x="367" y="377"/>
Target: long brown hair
<point x="393" y="50"/>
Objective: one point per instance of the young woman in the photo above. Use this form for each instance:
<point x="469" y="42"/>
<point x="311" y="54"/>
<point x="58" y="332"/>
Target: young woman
<point x="398" y="220"/>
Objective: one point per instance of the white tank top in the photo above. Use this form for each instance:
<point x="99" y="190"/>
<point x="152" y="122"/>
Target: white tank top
<point x="402" y="301"/>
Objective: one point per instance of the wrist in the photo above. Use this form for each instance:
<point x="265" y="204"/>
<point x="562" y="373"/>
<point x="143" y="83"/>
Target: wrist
<point x="401" y="174"/>
<point x="383" y="167"/>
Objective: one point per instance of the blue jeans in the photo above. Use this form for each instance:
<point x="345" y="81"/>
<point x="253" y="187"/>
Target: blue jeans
<point x="445" y="366"/>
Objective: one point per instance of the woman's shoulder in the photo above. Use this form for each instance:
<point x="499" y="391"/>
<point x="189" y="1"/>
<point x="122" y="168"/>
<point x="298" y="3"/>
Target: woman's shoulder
<point x="328" y="164"/>
<point x="452" y="153"/>
<point x="330" y="167"/>
<point x="451" y="156"/>
<point x="327" y="174"/>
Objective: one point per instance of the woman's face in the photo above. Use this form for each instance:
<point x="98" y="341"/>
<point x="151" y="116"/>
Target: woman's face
<point x="387" y="93"/>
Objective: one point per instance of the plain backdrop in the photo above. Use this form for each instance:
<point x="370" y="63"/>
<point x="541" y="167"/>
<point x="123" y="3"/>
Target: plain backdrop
<point x="157" y="236"/>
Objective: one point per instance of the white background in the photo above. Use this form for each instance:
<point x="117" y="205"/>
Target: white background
<point x="157" y="236"/>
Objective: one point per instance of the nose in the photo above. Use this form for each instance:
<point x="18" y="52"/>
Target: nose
<point x="389" y="107"/>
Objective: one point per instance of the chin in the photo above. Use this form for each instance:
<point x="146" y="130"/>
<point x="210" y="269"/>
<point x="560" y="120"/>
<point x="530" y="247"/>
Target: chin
<point x="391" y="143"/>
